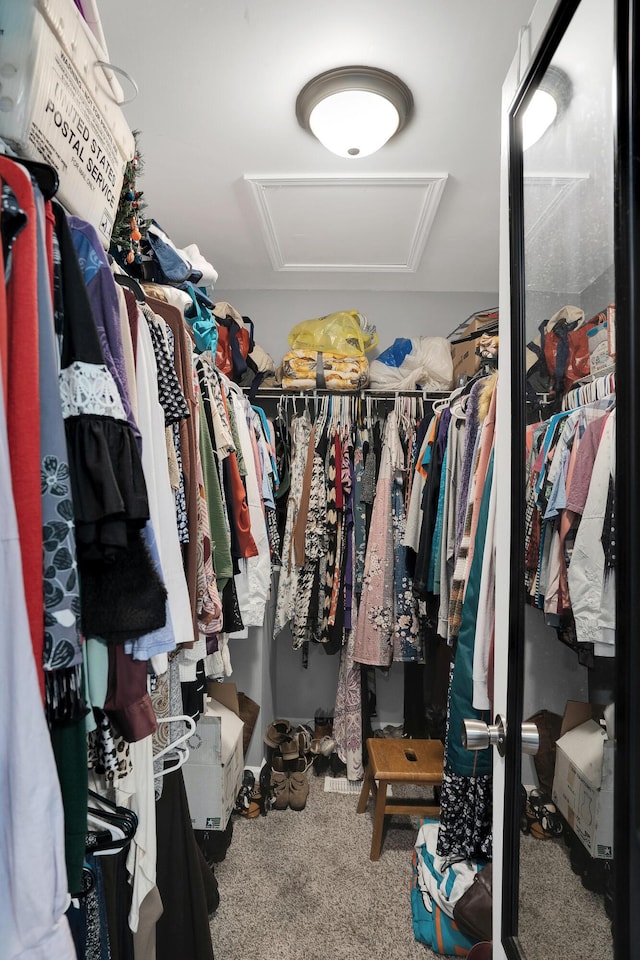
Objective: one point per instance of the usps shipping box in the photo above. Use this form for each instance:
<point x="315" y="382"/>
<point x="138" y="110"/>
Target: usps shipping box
<point x="583" y="779"/>
<point x="213" y="773"/>
<point x="59" y="106"/>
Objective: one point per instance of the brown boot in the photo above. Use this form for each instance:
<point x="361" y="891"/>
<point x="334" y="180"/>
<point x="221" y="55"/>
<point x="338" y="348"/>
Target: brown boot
<point x="323" y="725"/>
<point x="280" y="784"/>
<point x="299" y="785"/>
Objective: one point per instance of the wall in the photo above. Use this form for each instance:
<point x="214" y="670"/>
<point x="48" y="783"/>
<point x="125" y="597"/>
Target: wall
<point x="275" y="312"/>
<point x="552" y="675"/>
<point x="300" y="691"/>
<point x="598" y="295"/>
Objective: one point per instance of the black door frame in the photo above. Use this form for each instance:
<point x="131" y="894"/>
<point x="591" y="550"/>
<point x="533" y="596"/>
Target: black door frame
<point x="627" y="291"/>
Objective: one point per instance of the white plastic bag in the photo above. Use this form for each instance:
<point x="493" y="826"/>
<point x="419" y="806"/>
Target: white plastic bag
<point x="428" y="366"/>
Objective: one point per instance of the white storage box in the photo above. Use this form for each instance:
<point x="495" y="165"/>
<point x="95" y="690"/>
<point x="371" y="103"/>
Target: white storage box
<point x="213" y="773"/>
<point x="57" y="106"/>
<point x="583" y="779"/>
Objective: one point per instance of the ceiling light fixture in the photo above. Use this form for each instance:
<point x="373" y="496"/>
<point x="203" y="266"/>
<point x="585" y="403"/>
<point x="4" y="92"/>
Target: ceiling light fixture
<point x="353" y="111"/>
<point x="549" y="101"/>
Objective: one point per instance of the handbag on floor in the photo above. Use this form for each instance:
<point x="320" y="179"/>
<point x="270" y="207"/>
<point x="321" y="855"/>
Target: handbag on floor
<point x="473" y="910"/>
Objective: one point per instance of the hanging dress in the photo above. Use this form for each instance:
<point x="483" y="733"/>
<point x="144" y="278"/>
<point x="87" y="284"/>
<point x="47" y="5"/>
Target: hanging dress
<point x="466" y="795"/>
<point x="374" y="628"/>
<point x="289" y="573"/>
<point x="407" y="643"/>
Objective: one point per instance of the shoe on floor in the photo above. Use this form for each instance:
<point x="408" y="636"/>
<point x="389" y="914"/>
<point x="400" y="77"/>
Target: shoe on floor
<point x="324" y="746"/>
<point x="299" y="785"/>
<point x="276" y="733"/>
<point x="280" y="784"/>
<point x="323" y="724"/>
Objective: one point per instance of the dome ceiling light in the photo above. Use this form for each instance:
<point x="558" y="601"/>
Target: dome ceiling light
<point x="353" y="111"/>
<point x="547" y="105"/>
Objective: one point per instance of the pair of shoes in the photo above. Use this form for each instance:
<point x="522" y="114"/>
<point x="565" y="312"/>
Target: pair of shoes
<point x="390" y="730"/>
<point x="289" y="783"/>
<point x="276" y="732"/>
<point x="287" y="742"/>
<point x="324" y="746"/>
<point x="299" y="785"/>
<point x="323" y="724"/>
<point x="249" y="802"/>
<point x="543" y="819"/>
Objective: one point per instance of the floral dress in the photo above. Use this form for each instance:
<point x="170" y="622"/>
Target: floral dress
<point x="407" y="643"/>
<point x="306" y="618"/>
<point x="374" y="629"/>
<point x="289" y="573"/>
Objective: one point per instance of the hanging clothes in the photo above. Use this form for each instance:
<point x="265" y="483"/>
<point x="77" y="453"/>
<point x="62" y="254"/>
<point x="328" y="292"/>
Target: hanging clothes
<point x="374" y="629"/>
<point x="466" y="795"/>
<point x="33" y="878"/>
<point x="289" y="572"/>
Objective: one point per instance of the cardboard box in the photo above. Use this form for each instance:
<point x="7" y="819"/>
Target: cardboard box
<point x="464" y="341"/>
<point x="213" y="773"/>
<point x="59" y="106"/>
<point x="598" y="340"/>
<point x="583" y="779"/>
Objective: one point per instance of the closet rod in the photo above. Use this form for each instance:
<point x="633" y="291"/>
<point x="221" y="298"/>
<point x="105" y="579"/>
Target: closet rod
<point x="275" y="394"/>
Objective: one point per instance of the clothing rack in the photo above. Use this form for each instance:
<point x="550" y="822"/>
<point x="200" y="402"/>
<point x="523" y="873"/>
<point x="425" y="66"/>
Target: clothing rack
<point x="592" y="387"/>
<point x="385" y="396"/>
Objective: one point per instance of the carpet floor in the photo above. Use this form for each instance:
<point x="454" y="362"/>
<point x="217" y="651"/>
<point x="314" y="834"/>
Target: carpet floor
<point x="300" y="886"/>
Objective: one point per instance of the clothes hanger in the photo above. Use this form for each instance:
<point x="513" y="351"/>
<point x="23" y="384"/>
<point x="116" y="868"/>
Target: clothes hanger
<point x="109" y="832"/>
<point x="45" y="176"/>
<point x="181" y="718"/>
<point x="107" y="808"/>
<point x="121" y="825"/>
<point x="106" y="826"/>
<point x="182" y="755"/>
<point x="177" y="747"/>
<point x="124" y="280"/>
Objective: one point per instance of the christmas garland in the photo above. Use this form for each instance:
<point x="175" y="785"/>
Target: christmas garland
<point x="130" y="226"/>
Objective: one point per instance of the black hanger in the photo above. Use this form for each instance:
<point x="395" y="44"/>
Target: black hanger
<point x="125" y="281"/>
<point x="109" y="810"/>
<point x="466" y="389"/>
<point x="44" y="175"/>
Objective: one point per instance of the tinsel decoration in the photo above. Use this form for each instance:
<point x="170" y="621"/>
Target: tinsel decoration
<point x="130" y="226"/>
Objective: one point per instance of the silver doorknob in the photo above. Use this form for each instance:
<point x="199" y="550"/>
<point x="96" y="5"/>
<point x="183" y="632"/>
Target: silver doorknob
<point x="530" y="738"/>
<point x="477" y="735"/>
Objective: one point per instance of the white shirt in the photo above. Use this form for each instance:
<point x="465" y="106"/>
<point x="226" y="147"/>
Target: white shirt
<point x="592" y="592"/>
<point x="33" y="874"/>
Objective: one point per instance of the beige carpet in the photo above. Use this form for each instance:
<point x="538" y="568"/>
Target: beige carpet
<point x="300" y="886"/>
<point x="559" y="919"/>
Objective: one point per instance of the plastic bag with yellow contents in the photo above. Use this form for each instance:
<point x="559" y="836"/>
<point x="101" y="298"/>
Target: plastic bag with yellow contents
<point x="346" y="332"/>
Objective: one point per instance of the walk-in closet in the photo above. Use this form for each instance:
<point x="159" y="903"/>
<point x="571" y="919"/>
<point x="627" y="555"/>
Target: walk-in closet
<point x="319" y="445"/>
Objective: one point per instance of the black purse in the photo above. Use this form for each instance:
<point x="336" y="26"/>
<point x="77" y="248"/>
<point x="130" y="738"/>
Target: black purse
<point x="473" y="910"/>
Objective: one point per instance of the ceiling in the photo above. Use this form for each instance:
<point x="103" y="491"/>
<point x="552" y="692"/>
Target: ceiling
<point x="216" y="107"/>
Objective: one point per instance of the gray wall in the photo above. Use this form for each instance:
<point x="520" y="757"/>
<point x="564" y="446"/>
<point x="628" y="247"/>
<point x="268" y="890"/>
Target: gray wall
<point x="599" y="294"/>
<point x="276" y="312"/>
<point x="552" y="675"/>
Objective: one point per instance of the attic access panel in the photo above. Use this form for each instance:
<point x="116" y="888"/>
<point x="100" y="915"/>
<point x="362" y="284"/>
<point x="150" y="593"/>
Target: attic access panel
<point x="347" y="224"/>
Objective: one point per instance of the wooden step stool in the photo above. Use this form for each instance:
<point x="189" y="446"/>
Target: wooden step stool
<point x="393" y="760"/>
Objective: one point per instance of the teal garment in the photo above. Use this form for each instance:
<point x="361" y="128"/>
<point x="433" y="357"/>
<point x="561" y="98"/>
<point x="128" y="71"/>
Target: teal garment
<point x="220" y="540"/>
<point x="469" y="763"/>
<point x="433" y="579"/>
<point x="267" y="438"/>
<point x="434" y="928"/>
<point x="96" y="675"/>
<point x="70" y="751"/>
